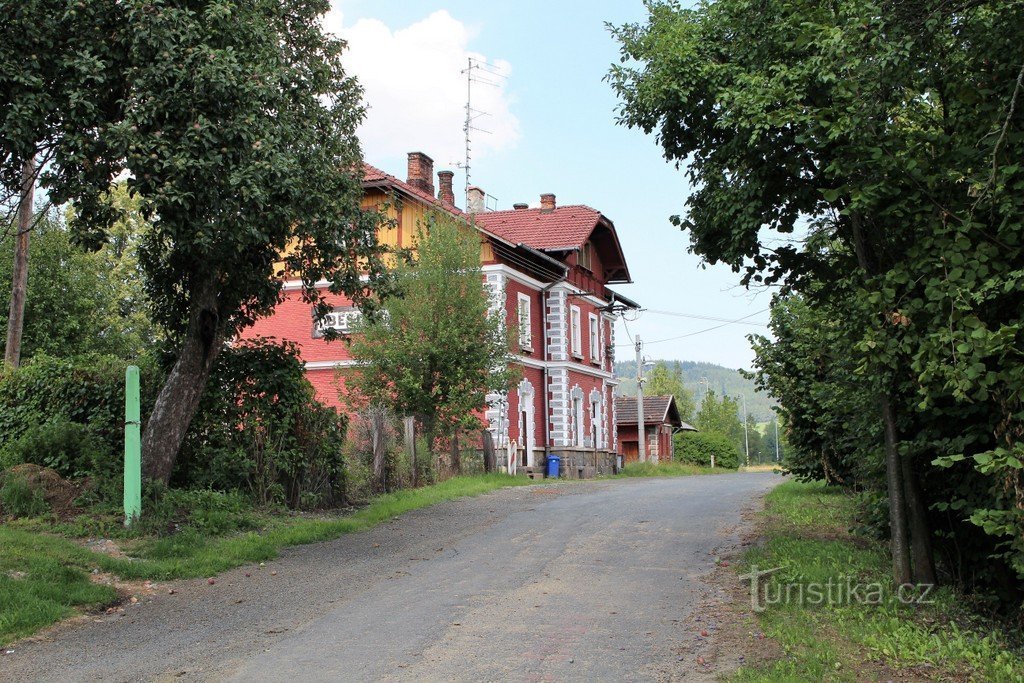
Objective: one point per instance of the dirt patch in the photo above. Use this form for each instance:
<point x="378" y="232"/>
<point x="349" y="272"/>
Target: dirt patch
<point x="58" y="492"/>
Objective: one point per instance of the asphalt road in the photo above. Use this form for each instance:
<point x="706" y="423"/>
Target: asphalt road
<point x="579" y="581"/>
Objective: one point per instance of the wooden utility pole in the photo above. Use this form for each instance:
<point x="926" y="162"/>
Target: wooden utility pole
<point x="19" y="277"/>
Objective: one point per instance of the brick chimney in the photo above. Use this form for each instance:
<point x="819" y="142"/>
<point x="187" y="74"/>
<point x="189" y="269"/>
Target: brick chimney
<point x="547" y="202"/>
<point x="444" y="182"/>
<point x="520" y="206"/>
<point x="475" y="200"/>
<point x="421" y="172"/>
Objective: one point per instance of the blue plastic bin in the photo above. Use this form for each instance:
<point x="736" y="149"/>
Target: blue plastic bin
<point x="554" y="463"/>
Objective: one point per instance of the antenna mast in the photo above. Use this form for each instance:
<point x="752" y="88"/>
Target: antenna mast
<point x="476" y="71"/>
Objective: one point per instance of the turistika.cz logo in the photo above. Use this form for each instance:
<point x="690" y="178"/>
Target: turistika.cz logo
<point x="840" y="590"/>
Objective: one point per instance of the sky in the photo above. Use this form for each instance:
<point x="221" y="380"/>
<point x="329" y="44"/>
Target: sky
<point x="550" y="126"/>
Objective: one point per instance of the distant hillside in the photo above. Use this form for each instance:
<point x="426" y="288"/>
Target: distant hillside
<point x="721" y="380"/>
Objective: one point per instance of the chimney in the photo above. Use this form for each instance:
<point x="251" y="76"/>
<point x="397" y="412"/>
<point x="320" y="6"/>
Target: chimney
<point x="547" y="202"/>
<point x="444" y="181"/>
<point x="421" y="172"/>
<point x="475" y="200"/>
<point x="520" y="207"/>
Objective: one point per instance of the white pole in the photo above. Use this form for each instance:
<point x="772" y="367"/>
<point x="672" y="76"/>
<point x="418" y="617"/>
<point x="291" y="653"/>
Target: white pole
<point x="746" y="437"/>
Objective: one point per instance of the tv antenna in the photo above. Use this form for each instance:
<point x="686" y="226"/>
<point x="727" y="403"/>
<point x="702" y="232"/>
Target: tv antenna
<point x="477" y="71"/>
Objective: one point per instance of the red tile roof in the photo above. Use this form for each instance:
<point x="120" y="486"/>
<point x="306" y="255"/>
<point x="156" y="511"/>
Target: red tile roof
<point x="372" y="174"/>
<point x="567" y="227"/>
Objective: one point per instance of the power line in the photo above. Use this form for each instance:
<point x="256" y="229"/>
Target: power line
<point x="708" y="329"/>
<point x="696" y="316"/>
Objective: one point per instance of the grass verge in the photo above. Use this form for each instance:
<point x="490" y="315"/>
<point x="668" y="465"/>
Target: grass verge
<point x="45" y="577"/>
<point x="666" y="469"/>
<point x="836" y="634"/>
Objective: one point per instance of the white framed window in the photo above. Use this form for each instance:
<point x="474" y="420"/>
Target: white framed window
<point x="575" y="333"/>
<point x="576" y="418"/>
<point x="595" y="338"/>
<point x="525" y="323"/>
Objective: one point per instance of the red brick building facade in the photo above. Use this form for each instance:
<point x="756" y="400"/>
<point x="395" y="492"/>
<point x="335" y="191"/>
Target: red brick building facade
<point x="548" y="270"/>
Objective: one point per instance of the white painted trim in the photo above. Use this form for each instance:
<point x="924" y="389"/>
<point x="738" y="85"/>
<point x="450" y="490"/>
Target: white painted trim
<point x="330" y="364"/>
<point x="525" y="341"/>
<point x="575" y="331"/>
<point x="582" y="368"/>
<point x="563" y="285"/>
<point x="291" y="285"/>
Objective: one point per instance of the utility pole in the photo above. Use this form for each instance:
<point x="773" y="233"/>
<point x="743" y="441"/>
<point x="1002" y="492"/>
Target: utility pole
<point x="777" y="438"/>
<point x="746" y="437"/>
<point x="19" y="276"/>
<point x="641" y="436"/>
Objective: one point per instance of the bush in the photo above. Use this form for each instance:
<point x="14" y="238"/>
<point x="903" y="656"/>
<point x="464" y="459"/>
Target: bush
<point x="19" y="499"/>
<point x="260" y="429"/>
<point x="206" y="512"/>
<point x="697" y="448"/>
<point x="68" y="414"/>
<point x="68" y="448"/>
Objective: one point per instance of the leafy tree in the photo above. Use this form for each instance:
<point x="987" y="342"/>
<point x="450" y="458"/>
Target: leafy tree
<point x="860" y="124"/>
<point x="720" y="417"/>
<point x="240" y="136"/>
<point x="435" y="351"/>
<point x="236" y="123"/>
<point x="665" y="381"/>
<point x="81" y="301"/>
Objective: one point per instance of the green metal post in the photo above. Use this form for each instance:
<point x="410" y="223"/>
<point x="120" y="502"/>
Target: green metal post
<point x="132" y="447"/>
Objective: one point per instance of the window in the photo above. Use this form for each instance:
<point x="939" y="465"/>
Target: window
<point x="575" y="332"/>
<point x="525" y="326"/>
<point x="341" y="320"/>
<point x="595" y="339"/>
<point x="577" y="418"/>
<point x="586" y="259"/>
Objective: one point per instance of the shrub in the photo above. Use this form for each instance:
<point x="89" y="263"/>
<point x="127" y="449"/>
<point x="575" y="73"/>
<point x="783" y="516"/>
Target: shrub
<point x="68" y="448"/>
<point x="19" y="499"/>
<point x="697" y="448"/>
<point x="68" y="413"/>
<point x="260" y="429"/>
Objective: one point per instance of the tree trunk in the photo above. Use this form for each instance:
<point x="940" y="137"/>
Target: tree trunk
<point x="19" y="276"/>
<point x="897" y="505"/>
<point x="490" y="459"/>
<point x="920" y="531"/>
<point x="456" y="455"/>
<point x="179" y="397"/>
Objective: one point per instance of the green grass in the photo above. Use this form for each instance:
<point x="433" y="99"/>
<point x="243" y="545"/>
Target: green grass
<point x="666" y="469"/>
<point x="807" y="536"/>
<point x="44" y="577"/>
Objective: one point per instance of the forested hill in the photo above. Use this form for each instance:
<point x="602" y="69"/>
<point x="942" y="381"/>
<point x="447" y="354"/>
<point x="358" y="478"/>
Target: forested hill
<point x="721" y="380"/>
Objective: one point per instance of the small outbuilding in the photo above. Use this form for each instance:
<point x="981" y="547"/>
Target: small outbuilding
<point x="661" y="422"/>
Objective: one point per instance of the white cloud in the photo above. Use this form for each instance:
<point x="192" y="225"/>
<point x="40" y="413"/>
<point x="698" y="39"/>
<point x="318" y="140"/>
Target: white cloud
<point x="416" y="90"/>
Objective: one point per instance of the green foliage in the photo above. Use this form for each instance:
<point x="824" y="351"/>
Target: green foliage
<point x="19" y="499"/>
<point x="888" y="140"/>
<point x="435" y="352"/>
<point x="665" y="380"/>
<point x="196" y="512"/>
<point x="720" y="417"/>
<point x="808" y="537"/>
<point x="724" y="381"/>
<point x="81" y="302"/>
<point x="260" y="429"/>
<point x="662" y="469"/>
<point x="68" y="448"/>
<point x="698" y="448"/>
<point x="68" y="413"/>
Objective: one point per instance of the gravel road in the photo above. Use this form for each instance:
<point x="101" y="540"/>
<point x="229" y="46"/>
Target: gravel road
<point x="577" y="581"/>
